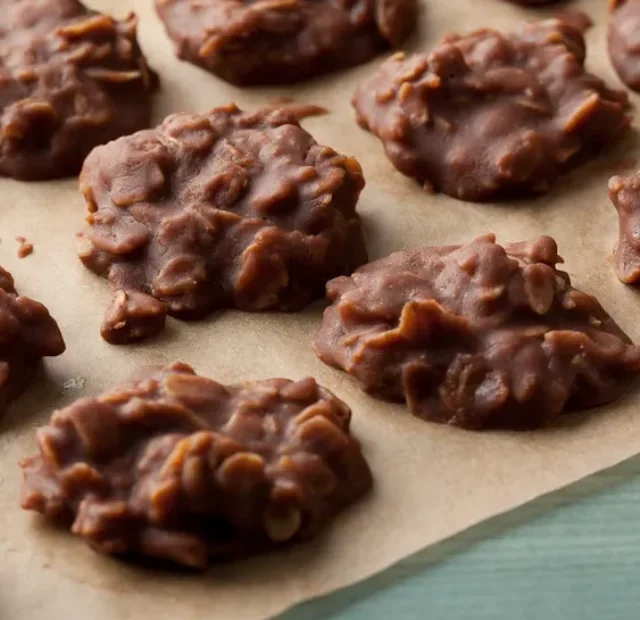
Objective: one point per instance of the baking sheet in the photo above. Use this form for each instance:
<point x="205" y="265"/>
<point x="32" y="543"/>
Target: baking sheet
<point x="431" y="481"/>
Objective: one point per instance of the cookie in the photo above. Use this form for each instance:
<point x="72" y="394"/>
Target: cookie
<point x="226" y="209"/>
<point x="283" y="41"/>
<point x="624" y="40"/>
<point x="477" y="335"/>
<point x="489" y="116"/>
<point x="180" y="468"/>
<point x="27" y="334"/>
<point x="70" y="79"/>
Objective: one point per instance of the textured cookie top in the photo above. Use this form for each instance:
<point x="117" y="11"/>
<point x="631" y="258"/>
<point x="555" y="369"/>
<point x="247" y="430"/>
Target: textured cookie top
<point x="279" y="41"/>
<point x="70" y="79"/>
<point x="477" y="335"/>
<point x="179" y="467"/>
<point x="27" y="334"/>
<point x="222" y="209"/>
<point x="624" y="40"/>
<point x="491" y="115"/>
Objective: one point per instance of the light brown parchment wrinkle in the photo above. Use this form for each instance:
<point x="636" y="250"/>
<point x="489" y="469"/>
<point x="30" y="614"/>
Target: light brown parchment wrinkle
<point x="431" y="481"/>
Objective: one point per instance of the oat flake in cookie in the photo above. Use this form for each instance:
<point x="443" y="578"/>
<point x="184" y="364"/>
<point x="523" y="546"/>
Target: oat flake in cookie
<point x="282" y="41"/>
<point x="490" y="115"/>
<point x="225" y="209"/>
<point x="70" y="79"/>
<point x="27" y="334"/>
<point x="477" y="335"/>
<point x="624" y="40"/>
<point x="178" y="467"/>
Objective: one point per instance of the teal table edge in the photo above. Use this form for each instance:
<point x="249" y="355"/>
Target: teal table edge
<point x="574" y="553"/>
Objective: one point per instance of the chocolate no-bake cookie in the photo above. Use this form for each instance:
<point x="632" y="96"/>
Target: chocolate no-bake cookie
<point x="492" y="115"/>
<point x="225" y="209"/>
<point x="476" y="335"/>
<point x="624" y="40"/>
<point x="70" y="79"/>
<point x="178" y="467"/>
<point x="625" y="196"/>
<point x="283" y="41"/>
<point x="27" y="334"/>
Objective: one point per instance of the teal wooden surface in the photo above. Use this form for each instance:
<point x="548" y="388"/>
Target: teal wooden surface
<point x="574" y="554"/>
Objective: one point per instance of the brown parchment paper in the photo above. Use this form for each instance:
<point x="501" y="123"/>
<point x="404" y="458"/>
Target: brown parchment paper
<point x="431" y="481"/>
